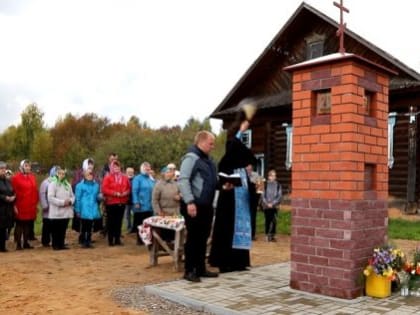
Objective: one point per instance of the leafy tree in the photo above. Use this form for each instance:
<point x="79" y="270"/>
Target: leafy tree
<point x="32" y="123"/>
<point x="9" y="144"/>
<point x="76" y="138"/>
<point x="219" y="149"/>
<point x="42" y="149"/>
<point x="72" y="139"/>
<point x="134" y="122"/>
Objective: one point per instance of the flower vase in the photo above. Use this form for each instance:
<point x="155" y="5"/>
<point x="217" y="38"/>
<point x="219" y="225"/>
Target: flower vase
<point x="377" y="286"/>
<point x="414" y="282"/>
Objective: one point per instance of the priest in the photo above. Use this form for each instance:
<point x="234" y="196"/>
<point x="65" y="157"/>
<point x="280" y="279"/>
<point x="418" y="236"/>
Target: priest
<point x="232" y="237"/>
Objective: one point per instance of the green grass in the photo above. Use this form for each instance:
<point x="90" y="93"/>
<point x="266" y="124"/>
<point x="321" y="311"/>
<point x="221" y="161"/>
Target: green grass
<point x="404" y="229"/>
<point x="38" y="222"/>
<point x="397" y="229"/>
<point x="283" y="222"/>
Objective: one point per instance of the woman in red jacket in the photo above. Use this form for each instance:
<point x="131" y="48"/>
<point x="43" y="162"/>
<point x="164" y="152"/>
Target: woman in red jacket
<point x="116" y="189"/>
<point x="25" y="187"/>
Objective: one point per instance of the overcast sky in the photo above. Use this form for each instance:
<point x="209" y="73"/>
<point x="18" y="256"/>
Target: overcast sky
<point x="162" y="60"/>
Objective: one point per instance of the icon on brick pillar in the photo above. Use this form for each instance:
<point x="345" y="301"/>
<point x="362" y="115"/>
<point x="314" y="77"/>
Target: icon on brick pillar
<point x="323" y="102"/>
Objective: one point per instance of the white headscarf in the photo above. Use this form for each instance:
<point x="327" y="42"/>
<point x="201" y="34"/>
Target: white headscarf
<point x="85" y="164"/>
<point x="22" y="165"/>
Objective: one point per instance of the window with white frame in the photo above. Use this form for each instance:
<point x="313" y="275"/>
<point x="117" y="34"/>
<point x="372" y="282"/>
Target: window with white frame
<point x="260" y="167"/>
<point x="246" y="138"/>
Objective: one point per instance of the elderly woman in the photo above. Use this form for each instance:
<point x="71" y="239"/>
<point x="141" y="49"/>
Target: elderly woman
<point x="25" y="187"/>
<point x="166" y="198"/>
<point x="87" y="206"/>
<point x="61" y="200"/>
<point x="116" y="189"/>
<point x="7" y="198"/>
<point x="43" y="200"/>
<point x="142" y="191"/>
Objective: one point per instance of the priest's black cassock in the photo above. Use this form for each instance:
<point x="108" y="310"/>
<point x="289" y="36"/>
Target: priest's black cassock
<point x="222" y="255"/>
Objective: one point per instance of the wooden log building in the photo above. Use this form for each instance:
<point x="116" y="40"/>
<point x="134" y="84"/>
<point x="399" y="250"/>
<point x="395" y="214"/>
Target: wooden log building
<point x="310" y="34"/>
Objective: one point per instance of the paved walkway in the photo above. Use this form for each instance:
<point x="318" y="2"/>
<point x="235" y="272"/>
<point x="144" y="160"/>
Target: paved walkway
<point x="265" y="291"/>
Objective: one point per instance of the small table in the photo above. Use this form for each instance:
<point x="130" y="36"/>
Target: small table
<point x="159" y="247"/>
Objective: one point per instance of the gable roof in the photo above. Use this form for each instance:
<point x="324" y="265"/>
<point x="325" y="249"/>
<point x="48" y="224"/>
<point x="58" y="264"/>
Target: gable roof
<point x="300" y="11"/>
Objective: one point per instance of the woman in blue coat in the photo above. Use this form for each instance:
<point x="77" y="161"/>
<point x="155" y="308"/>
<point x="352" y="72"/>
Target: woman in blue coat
<point x="142" y="190"/>
<point x="87" y="206"/>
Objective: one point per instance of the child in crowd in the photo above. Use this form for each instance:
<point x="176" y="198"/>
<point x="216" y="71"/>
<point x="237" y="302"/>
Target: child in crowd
<point x="87" y="206"/>
<point x="271" y="199"/>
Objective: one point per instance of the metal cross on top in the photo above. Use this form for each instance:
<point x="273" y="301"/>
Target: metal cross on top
<point x="342" y="26"/>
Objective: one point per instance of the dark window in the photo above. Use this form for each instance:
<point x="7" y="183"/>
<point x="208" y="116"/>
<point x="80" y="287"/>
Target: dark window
<point x="315" y="50"/>
<point x="246" y="138"/>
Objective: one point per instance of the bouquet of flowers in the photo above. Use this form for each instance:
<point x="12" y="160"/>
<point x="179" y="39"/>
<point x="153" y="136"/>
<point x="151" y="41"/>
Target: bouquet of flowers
<point x="413" y="270"/>
<point x="385" y="261"/>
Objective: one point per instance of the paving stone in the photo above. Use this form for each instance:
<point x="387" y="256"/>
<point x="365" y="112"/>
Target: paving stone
<point x="265" y="290"/>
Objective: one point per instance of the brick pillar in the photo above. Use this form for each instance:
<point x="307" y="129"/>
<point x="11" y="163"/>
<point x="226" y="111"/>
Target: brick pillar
<point x="339" y="172"/>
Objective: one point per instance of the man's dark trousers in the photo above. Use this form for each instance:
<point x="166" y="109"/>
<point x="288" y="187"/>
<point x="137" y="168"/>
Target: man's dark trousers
<point x="198" y="232"/>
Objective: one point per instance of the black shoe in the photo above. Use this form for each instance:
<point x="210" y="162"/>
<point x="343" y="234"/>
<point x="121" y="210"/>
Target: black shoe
<point x="3" y="250"/>
<point x="61" y="248"/>
<point x="119" y="243"/>
<point x="191" y="276"/>
<point x="209" y="274"/>
<point x="27" y="246"/>
<point x="45" y="245"/>
<point x="33" y="238"/>
<point x="225" y="269"/>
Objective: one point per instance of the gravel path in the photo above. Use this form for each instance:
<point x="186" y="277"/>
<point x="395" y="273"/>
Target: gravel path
<point x="136" y="298"/>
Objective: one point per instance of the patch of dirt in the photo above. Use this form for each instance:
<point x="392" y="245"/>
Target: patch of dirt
<point x="396" y="213"/>
<point x="80" y="281"/>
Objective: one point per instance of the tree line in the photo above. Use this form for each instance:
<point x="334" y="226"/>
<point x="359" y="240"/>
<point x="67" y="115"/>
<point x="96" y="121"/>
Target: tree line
<point x="75" y="138"/>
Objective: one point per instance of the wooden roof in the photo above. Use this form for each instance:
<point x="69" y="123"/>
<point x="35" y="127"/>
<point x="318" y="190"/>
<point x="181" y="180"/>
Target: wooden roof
<point x="267" y="82"/>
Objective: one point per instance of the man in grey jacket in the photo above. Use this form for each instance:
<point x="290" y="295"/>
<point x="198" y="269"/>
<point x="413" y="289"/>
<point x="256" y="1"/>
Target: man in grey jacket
<point x="197" y="184"/>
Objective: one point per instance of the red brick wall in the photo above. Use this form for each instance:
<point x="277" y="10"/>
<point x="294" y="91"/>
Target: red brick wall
<point x="335" y="221"/>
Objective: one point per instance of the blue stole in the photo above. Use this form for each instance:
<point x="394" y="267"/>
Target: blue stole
<point x="242" y="229"/>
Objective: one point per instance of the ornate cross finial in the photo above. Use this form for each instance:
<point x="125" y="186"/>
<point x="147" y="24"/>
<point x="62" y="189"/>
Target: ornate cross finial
<point x="342" y="27"/>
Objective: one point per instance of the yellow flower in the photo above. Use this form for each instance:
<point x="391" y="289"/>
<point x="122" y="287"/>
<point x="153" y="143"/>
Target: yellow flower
<point x="388" y="273"/>
<point x="367" y="271"/>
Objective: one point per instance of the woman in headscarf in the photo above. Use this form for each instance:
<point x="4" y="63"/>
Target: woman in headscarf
<point x="142" y="191"/>
<point x="43" y="200"/>
<point x="88" y="163"/>
<point x="116" y="189"/>
<point x="87" y="206"/>
<point x="7" y="198"/>
<point x="25" y="187"/>
<point x="166" y="199"/>
<point x="61" y="200"/>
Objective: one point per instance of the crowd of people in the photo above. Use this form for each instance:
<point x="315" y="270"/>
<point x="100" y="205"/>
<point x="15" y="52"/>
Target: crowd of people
<point x="93" y="201"/>
<point x="100" y="201"/>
